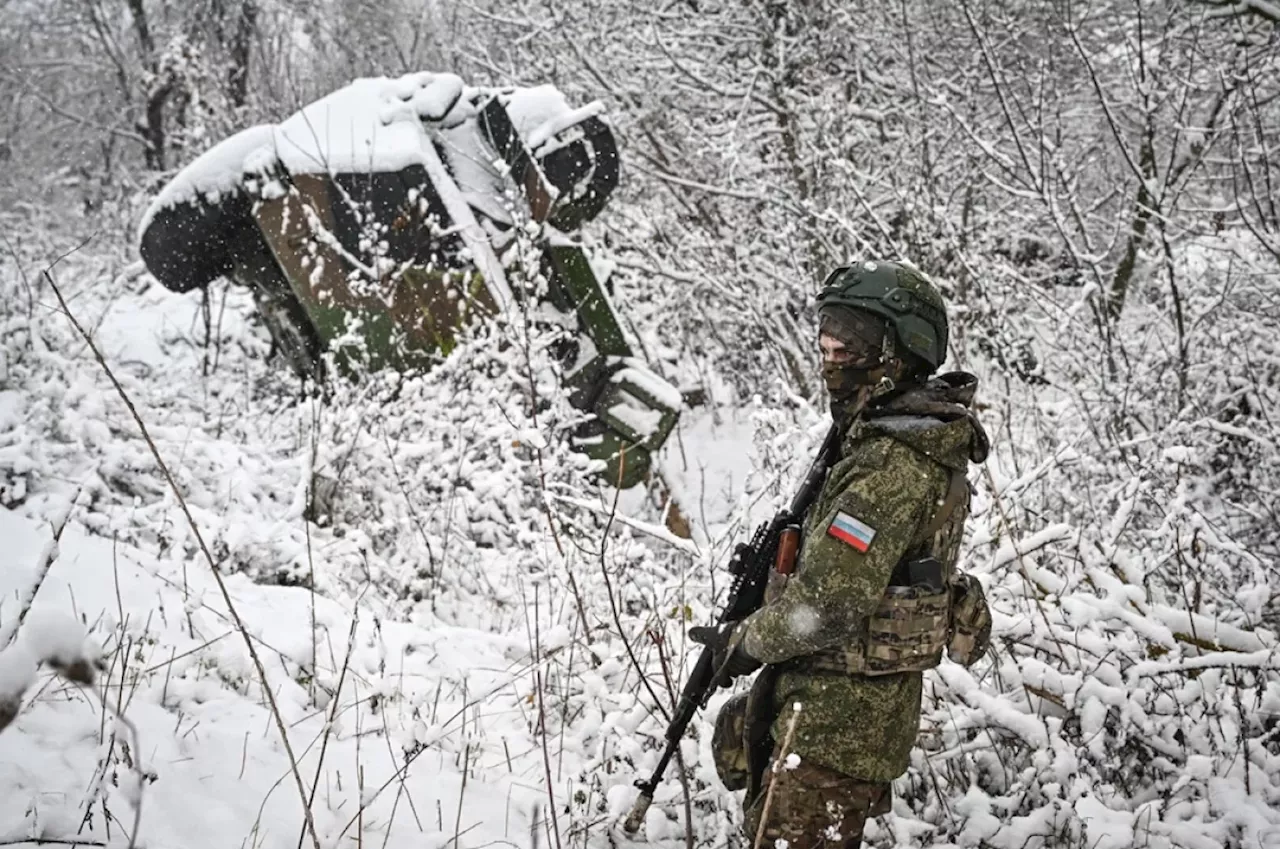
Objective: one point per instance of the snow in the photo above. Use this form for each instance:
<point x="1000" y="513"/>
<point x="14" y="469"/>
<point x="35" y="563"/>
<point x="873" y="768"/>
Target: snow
<point x="540" y="138"/>
<point x="17" y="672"/>
<point x="431" y="627"/>
<point x="637" y="417"/>
<point x="478" y="172"/>
<point x="378" y="124"/>
<point x="57" y="638"/>
<point x="427" y="637"/>
<point x="373" y="124"/>
<point x="218" y="171"/>
<point x="638" y="374"/>
<point x="804" y="620"/>
<point x="187" y="670"/>
<point x="536" y="107"/>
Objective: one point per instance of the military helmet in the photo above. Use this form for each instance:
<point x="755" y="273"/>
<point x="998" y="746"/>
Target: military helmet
<point x="899" y="294"/>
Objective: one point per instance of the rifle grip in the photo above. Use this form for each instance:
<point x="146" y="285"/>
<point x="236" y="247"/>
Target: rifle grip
<point x="788" y="547"/>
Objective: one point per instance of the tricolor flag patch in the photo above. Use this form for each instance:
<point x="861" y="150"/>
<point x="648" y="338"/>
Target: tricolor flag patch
<point x="849" y="530"/>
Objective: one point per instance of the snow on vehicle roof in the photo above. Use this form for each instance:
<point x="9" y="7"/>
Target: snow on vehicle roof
<point x="541" y="112"/>
<point x="219" y="170"/>
<point x="375" y="124"/>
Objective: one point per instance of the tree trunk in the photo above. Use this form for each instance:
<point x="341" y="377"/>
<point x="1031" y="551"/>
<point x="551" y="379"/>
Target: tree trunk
<point x="1142" y="212"/>
<point x="152" y="127"/>
<point x="241" y="46"/>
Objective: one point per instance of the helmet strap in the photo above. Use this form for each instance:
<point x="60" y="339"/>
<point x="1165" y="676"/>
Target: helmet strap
<point x="889" y="366"/>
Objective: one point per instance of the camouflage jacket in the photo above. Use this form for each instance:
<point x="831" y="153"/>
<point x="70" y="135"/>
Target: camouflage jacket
<point x="876" y="505"/>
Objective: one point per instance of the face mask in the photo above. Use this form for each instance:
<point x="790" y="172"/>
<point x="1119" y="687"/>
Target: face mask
<point x="844" y="379"/>
<point x="849" y="361"/>
<point x="859" y="376"/>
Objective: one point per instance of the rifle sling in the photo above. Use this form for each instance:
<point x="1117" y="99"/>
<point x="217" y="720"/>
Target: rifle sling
<point x="759" y="721"/>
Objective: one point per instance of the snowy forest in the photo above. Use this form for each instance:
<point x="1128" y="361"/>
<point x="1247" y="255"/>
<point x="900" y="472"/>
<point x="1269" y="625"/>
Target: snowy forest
<point x="401" y="611"/>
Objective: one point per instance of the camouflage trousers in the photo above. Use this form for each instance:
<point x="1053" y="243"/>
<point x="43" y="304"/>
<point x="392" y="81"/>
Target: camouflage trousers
<point x="813" y="807"/>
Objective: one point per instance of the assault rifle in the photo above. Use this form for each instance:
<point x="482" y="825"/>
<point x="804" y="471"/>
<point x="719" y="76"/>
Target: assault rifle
<point x="773" y="547"/>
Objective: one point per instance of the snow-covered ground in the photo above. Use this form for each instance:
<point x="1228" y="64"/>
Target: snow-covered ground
<point x="210" y="756"/>
<point x="452" y="647"/>
<point x="415" y="699"/>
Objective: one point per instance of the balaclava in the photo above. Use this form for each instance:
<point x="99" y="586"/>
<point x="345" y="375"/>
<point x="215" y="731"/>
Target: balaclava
<point x="872" y="368"/>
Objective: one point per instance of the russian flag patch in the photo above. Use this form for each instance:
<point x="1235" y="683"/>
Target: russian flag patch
<point x="849" y="530"/>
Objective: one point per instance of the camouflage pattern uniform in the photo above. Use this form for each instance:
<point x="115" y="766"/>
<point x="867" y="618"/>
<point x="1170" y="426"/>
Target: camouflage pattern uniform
<point x="853" y="733"/>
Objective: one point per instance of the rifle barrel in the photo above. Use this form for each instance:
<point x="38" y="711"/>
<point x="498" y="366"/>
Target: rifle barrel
<point x="691" y="698"/>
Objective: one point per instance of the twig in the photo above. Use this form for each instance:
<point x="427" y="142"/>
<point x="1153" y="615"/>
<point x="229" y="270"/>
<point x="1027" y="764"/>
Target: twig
<point x="47" y="556"/>
<point x="204" y="548"/>
<point x="542" y="719"/>
<point x="22" y="275"/>
<point x="402" y="790"/>
<point x="613" y="602"/>
<point x="777" y="765"/>
<point x="684" y="778"/>
<point x="687" y="546"/>
<point x="333" y="710"/>
<point x="173" y="655"/>
<point x="311" y="567"/>
<point x="51" y="841"/>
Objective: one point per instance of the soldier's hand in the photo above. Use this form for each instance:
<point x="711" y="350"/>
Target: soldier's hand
<point x="709" y="635"/>
<point x="728" y="657"/>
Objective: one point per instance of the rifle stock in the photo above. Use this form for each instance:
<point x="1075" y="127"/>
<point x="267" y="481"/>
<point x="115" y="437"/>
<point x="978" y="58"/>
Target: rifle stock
<point x="750" y="565"/>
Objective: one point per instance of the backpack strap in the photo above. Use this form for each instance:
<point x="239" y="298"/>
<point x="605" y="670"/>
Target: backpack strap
<point x="957" y="483"/>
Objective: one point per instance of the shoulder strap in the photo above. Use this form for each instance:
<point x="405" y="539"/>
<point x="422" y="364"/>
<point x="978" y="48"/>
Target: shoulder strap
<point x="956" y="485"/>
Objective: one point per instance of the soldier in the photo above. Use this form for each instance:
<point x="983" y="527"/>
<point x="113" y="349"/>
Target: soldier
<point x="876" y="597"/>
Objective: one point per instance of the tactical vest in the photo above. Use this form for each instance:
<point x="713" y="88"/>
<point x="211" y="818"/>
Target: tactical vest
<point x="929" y="607"/>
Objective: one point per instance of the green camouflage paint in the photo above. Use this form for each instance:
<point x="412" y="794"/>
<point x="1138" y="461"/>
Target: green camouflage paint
<point x="404" y="320"/>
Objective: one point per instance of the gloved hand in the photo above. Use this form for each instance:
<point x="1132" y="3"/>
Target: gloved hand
<point x="728" y="657"/>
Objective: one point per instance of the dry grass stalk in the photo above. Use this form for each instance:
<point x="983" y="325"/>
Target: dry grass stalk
<point x="659" y="641"/>
<point x="768" y="796"/>
<point x="462" y="795"/>
<point x="268" y="695"/>
<point x="47" y="557"/>
<point x="542" y="719"/>
<point x="333" y="714"/>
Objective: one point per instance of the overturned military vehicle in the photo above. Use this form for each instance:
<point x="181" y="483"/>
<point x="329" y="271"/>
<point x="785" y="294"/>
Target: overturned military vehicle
<point x="376" y="222"/>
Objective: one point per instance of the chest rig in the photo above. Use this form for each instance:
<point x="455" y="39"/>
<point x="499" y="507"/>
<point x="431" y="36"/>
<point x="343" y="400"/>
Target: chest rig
<point x="917" y="618"/>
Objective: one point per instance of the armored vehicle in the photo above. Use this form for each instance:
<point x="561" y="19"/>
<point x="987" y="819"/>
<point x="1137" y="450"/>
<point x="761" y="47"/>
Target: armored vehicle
<point x="376" y="222"/>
